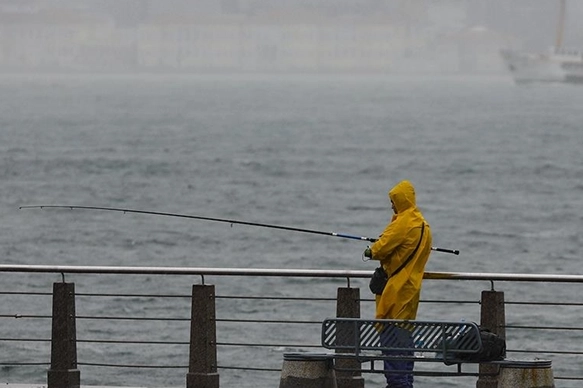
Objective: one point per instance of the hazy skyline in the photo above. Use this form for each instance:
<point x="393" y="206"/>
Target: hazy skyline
<point x="534" y="21"/>
<point x="452" y="35"/>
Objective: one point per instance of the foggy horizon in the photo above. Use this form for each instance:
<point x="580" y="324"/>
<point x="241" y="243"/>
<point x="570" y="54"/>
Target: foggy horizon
<point x="390" y="36"/>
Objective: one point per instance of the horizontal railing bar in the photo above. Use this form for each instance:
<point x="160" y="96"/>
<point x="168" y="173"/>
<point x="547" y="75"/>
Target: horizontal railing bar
<point x="248" y="368"/>
<point x="171" y="367"/>
<point x="268" y="345"/>
<point x="216" y="297"/>
<point x="88" y="317"/>
<point x="543" y="327"/>
<point x="275" y="298"/>
<point x="129" y="342"/>
<point x="24" y="340"/>
<point x="97" y="341"/>
<point x="62" y="269"/>
<point x="25" y="293"/>
<point x="447" y="301"/>
<point x="544" y="351"/>
<point x="112" y="318"/>
<point x="183" y="271"/>
<point x="452" y="301"/>
<point x="515" y="277"/>
<point x="23" y="363"/>
<point x="268" y="321"/>
<point x="133" y="295"/>
<point x="576" y="304"/>
<point x="236" y="320"/>
<point x="23" y="316"/>
<point x="133" y="366"/>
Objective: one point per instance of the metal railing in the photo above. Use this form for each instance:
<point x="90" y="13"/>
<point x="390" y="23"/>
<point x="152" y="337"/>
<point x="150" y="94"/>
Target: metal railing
<point x="133" y="326"/>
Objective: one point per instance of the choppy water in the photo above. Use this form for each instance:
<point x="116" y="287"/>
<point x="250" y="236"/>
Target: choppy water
<point x="498" y="171"/>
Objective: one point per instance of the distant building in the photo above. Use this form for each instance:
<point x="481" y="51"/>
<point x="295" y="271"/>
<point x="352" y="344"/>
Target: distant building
<point x="240" y="36"/>
<point x="269" y="42"/>
<point x="51" y="39"/>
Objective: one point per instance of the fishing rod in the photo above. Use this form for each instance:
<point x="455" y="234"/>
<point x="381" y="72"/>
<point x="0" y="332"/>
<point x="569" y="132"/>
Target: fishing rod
<point x="225" y="220"/>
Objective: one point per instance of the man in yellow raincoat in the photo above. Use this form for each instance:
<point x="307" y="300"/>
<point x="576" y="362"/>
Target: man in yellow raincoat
<point x="403" y="250"/>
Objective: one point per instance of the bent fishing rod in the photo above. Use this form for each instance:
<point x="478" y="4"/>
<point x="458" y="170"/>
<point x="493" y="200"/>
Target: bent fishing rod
<point x="224" y="220"/>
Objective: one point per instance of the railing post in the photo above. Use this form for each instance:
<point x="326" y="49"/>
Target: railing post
<point x="63" y="372"/>
<point x="202" y="367"/>
<point x="348" y="306"/>
<point x="493" y="318"/>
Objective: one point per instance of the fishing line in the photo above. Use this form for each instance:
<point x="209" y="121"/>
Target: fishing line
<point x="225" y="220"/>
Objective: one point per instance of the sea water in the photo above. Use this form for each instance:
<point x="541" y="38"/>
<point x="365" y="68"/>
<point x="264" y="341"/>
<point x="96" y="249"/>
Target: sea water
<point x="497" y="168"/>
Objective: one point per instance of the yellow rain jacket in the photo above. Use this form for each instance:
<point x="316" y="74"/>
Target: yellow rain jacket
<point x="400" y="297"/>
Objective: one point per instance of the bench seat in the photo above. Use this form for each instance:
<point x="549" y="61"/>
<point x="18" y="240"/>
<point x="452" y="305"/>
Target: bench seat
<point x="370" y="340"/>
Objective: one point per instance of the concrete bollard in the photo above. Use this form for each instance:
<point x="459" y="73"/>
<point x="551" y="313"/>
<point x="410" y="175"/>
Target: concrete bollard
<point x="307" y="370"/>
<point x="526" y="374"/>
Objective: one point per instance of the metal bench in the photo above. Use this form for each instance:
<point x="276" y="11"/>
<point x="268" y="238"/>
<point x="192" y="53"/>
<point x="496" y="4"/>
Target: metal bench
<point x="430" y="344"/>
<point x="367" y="341"/>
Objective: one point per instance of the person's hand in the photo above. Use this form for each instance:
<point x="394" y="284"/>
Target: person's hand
<point x="368" y="253"/>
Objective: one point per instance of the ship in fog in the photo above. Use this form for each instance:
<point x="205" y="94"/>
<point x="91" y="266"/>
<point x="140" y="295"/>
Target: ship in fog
<point x="559" y="64"/>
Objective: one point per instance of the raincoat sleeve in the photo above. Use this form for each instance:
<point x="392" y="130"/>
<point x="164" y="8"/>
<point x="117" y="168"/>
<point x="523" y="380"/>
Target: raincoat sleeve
<point x="392" y="237"/>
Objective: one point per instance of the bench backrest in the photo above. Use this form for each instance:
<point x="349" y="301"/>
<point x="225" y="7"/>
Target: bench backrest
<point x="447" y="339"/>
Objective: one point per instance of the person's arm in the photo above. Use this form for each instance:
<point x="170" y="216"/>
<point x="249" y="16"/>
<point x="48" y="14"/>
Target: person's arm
<point x="390" y="239"/>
